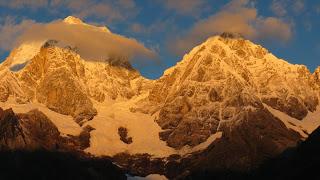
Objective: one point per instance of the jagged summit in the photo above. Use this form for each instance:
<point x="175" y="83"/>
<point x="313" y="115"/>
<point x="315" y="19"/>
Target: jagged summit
<point x="231" y="35"/>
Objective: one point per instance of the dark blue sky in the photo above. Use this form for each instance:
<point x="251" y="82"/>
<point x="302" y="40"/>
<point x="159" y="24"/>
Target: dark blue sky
<point x="288" y="28"/>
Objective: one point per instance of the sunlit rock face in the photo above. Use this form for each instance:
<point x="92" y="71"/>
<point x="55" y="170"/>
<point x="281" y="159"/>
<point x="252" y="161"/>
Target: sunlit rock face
<point x="65" y="83"/>
<point x="52" y="79"/>
<point x="222" y="78"/>
<point x="9" y="85"/>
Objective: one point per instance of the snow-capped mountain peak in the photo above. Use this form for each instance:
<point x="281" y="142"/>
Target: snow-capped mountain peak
<point x="224" y="77"/>
<point x="22" y="54"/>
<point x="73" y="20"/>
<point x="77" y="21"/>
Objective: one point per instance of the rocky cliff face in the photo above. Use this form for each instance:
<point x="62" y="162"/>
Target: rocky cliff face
<point x="10" y="86"/>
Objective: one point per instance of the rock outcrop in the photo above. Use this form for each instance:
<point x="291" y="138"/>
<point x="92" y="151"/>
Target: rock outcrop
<point x="27" y="131"/>
<point x="123" y="133"/>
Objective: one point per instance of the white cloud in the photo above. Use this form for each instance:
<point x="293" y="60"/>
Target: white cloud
<point x="91" y="44"/>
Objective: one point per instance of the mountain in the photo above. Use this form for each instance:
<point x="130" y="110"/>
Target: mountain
<point x="295" y="163"/>
<point x="221" y="80"/>
<point x="229" y="105"/>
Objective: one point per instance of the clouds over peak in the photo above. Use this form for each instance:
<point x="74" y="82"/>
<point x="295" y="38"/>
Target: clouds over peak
<point x="238" y="16"/>
<point x="91" y="42"/>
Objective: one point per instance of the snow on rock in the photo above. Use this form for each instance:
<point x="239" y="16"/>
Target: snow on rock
<point x="312" y="121"/>
<point x="20" y="56"/>
<point x="305" y="126"/>
<point x="290" y="122"/>
<point x="202" y="146"/>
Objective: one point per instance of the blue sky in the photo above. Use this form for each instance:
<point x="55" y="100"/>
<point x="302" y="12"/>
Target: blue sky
<point x="288" y="28"/>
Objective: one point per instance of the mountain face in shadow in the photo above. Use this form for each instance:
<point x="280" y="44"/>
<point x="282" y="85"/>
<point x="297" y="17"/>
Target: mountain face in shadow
<point x="295" y="163"/>
<point x="298" y="163"/>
